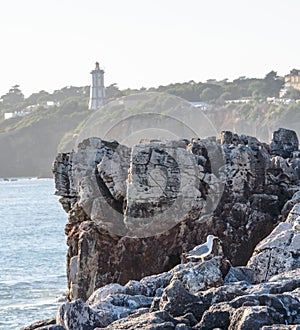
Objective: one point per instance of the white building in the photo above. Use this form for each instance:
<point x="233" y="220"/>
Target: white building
<point x="97" y="93"/>
<point x="8" y="115"/>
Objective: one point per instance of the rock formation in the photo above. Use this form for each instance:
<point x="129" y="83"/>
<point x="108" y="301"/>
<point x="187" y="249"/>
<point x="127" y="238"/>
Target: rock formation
<point x="127" y="236"/>
<point x="135" y="211"/>
<point x="196" y="295"/>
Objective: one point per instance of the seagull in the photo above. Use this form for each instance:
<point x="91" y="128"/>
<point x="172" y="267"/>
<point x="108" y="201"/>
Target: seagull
<point x="203" y="250"/>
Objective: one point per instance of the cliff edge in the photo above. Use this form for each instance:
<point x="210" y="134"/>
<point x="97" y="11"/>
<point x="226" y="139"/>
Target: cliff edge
<point x="134" y="212"/>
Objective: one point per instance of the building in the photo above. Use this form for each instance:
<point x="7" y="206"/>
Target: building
<point x="200" y="105"/>
<point x="97" y="92"/>
<point x="291" y="80"/>
<point x="8" y="115"/>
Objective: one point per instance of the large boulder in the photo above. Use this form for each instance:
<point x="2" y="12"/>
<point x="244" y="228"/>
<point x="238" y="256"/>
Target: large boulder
<point x="280" y="251"/>
<point x="284" y="143"/>
<point x="77" y="315"/>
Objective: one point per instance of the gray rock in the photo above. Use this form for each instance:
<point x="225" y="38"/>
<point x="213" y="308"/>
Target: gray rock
<point x="290" y="203"/>
<point x="237" y="274"/>
<point x="41" y="324"/>
<point x="176" y="300"/>
<point x="281" y="327"/>
<point x="188" y="319"/>
<point x="217" y="316"/>
<point x="78" y="316"/>
<point x="197" y="276"/>
<point x="285" y="304"/>
<point x="110" y="191"/>
<point x="149" y="321"/>
<point x="154" y="282"/>
<point x="284" y="143"/>
<point x="278" y="252"/>
<point x="220" y="294"/>
<point x="253" y="317"/>
<point x="51" y="327"/>
<point x="182" y="326"/>
<point x="112" y="302"/>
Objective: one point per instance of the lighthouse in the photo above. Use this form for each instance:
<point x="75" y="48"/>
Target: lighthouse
<point x="97" y="92"/>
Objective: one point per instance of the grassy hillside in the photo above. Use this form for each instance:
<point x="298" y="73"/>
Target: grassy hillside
<point x="28" y="144"/>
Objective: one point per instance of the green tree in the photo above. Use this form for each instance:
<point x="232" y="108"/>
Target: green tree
<point x="113" y="92"/>
<point x="294" y="72"/>
<point x="13" y="97"/>
<point x="41" y="96"/>
<point x="273" y="84"/>
<point x="271" y="75"/>
<point x="209" y="94"/>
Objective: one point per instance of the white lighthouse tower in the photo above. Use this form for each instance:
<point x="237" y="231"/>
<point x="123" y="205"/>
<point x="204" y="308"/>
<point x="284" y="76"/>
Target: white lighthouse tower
<point x="97" y="92"/>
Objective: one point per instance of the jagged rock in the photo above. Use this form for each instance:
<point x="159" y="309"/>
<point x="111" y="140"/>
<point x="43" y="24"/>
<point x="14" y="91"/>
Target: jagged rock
<point x="78" y="316"/>
<point x="285" y="304"/>
<point x="182" y="326"/>
<point x="278" y="252"/>
<point x="222" y="293"/>
<point x="294" y="217"/>
<point x="102" y="293"/>
<point x="187" y="319"/>
<point x="253" y="317"/>
<point x="176" y="300"/>
<point x="111" y="191"/>
<point x="116" y="306"/>
<point x="155" y="282"/>
<point x="275" y="301"/>
<point x="199" y="276"/>
<point x="217" y="316"/>
<point x="284" y="282"/>
<point x="149" y="321"/>
<point x="45" y="324"/>
<point x="284" y="143"/>
<point x="239" y="274"/>
<point x="281" y="327"/>
<point x="290" y="203"/>
<point x="51" y="327"/>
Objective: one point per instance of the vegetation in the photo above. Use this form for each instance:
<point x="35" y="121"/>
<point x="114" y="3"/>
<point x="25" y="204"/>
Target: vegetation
<point x="51" y="122"/>
<point x="214" y="91"/>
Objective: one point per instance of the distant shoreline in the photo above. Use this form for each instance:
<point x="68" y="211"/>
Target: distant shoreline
<point x="11" y="179"/>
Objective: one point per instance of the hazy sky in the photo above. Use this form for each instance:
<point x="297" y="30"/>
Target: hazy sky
<point x="50" y="44"/>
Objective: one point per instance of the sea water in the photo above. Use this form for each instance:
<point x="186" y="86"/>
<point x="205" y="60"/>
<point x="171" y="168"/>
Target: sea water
<point x="32" y="252"/>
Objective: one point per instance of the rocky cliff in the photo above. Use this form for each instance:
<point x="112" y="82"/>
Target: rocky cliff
<point x="264" y="294"/>
<point x="134" y="212"/>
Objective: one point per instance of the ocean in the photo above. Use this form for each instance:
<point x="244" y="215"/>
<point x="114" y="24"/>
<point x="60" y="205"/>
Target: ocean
<point x="32" y="252"/>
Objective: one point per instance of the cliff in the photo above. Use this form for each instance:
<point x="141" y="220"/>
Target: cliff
<point x="135" y="211"/>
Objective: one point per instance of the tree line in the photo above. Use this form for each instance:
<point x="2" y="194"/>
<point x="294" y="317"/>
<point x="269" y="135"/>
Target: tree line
<point x="212" y="91"/>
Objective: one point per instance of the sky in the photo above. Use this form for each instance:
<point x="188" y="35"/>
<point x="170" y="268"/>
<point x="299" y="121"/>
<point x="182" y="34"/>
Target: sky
<point x="50" y="44"/>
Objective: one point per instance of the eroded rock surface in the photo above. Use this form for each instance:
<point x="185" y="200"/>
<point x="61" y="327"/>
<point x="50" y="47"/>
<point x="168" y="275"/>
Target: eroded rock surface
<point x="135" y="211"/>
<point x="280" y="251"/>
<point x="194" y="295"/>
